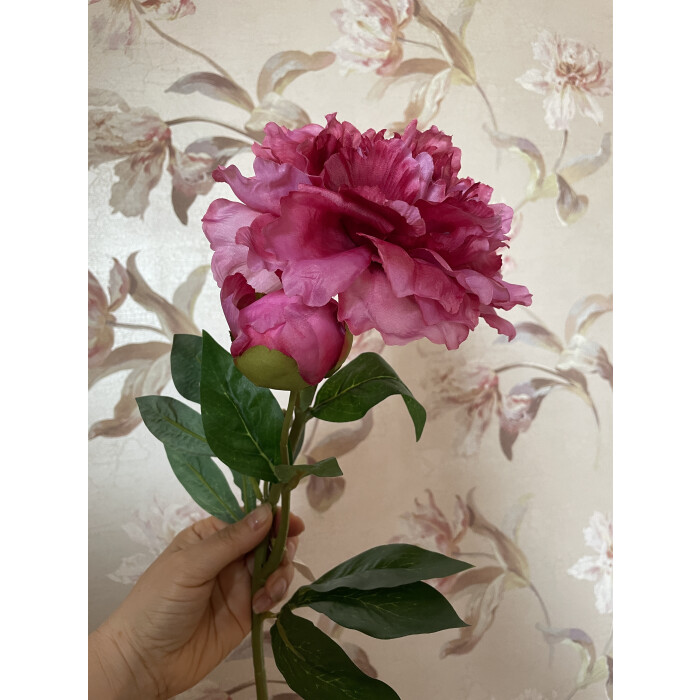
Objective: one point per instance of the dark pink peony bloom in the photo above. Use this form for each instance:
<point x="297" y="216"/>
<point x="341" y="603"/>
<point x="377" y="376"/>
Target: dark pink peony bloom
<point x="312" y="336"/>
<point x="383" y="224"/>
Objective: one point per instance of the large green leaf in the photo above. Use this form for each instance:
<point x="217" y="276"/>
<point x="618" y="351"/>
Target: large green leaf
<point x="359" y="386"/>
<point x="316" y="667"/>
<point x="242" y="422"/>
<point x="186" y="364"/>
<point x="248" y="495"/>
<point x="384" y="613"/>
<point x="326" y="467"/>
<point x="388" y="565"/>
<point x="175" y="424"/>
<point x="206" y="484"/>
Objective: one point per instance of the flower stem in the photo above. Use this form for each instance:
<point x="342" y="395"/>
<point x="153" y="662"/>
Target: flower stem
<point x="185" y="120"/>
<point x="480" y="90"/>
<point x="180" y="45"/>
<point x="531" y="365"/>
<point x="561" y="153"/>
<point x="137" y="327"/>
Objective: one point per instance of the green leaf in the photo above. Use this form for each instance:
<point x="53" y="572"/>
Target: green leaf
<point x="175" y="424"/>
<point x="326" y="467"/>
<point x="242" y="422"/>
<point x="359" y="386"/>
<point x="317" y="668"/>
<point x="384" y="613"/>
<point x="245" y="484"/>
<point x="206" y="484"/>
<point x="388" y="565"/>
<point x="186" y="364"/>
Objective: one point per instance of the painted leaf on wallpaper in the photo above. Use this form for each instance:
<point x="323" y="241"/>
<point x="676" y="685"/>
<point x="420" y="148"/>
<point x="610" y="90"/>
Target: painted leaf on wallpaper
<point x="410" y="70"/>
<point x="453" y="47"/>
<point x="274" y="108"/>
<point x="186" y="365"/>
<point x="462" y="16"/>
<point x="186" y="295"/>
<point x="360" y="385"/>
<point x="588" y="356"/>
<point x="127" y="357"/>
<point x="174" y="423"/>
<point x="578" y="168"/>
<point x="383" y="613"/>
<point x="509" y="554"/>
<point x="148" y="377"/>
<point x="284" y="67"/>
<point x="425" y="100"/>
<point x="527" y="149"/>
<point x="340" y="442"/>
<point x="204" y="481"/>
<point x="322" y="493"/>
<point x="584" y="312"/>
<point x="215" y="86"/>
<point x="316" y="667"/>
<point x="535" y="334"/>
<point x="242" y="421"/>
<point x="570" y="206"/>
<point x="484" y="588"/>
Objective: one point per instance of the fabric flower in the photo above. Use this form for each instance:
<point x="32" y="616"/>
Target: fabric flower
<point x="598" y="567"/>
<point x="573" y="74"/>
<point x="116" y="23"/>
<point x="311" y="336"/>
<point x="371" y="32"/>
<point x="137" y="138"/>
<point x="100" y="312"/>
<point x="384" y="225"/>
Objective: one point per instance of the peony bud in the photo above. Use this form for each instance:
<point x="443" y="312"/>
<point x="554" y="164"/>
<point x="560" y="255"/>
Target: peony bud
<point x="278" y="341"/>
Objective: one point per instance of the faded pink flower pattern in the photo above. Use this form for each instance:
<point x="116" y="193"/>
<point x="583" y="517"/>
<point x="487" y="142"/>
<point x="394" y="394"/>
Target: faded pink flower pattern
<point x="371" y="31"/>
<point x="312" y="336"/>
<point x="100" y="311"/>
<point x="408" y="247"/>
<point x="154" y="528"/>
<point x="116" y="24"/>
<point x="598" y="567"/>
<point x="137" y="138"/>
<point x="572" y="76"/>
<point x="429" y="527"/>
<point x="515" y="410"/>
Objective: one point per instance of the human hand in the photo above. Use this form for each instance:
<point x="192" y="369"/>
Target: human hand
<point x="188" y="610"/>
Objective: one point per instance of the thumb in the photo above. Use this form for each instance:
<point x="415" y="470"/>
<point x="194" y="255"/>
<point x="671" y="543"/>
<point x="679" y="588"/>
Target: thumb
<point x="205" y="559"/>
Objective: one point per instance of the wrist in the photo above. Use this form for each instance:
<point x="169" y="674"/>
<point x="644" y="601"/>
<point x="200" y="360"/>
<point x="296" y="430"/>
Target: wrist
<point x="116" y="670"/>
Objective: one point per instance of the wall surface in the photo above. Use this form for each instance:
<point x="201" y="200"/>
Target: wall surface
<point x="513" y="472"/>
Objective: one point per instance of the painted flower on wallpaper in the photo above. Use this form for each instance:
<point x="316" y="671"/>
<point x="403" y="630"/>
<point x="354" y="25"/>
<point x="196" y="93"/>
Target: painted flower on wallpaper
<point x="115" y="24"/>
<point x="138" y="139"/>
<point x="154" y="528"/>
<point x="191" y="173"/>
<point x="599" y="566"/>
<point x="371" y="32"/>
<point x="101" y="318"/>
<point x="429" y="527"/>
<point x="148" y="363"/>
<point x="469" y="387"/>
<point x="408" y="247"/>
<point x="572" y="77"/>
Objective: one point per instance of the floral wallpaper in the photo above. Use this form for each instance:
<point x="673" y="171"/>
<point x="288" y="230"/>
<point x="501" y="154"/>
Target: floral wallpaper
<point x="514" y="471"/>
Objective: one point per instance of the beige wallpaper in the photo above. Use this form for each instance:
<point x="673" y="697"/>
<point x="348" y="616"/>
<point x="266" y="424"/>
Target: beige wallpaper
<point x="514" y="470"/>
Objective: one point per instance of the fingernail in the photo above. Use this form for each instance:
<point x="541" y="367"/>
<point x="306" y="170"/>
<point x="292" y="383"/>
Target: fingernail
<point x="278" y="589"/>
<point x="262" y="603"/>
<point x="258" y="517"/>
<point x="291" y="550"/>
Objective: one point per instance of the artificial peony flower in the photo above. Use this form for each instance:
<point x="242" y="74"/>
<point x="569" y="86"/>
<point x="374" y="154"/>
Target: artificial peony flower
<point x="383" y="224"/>
<point x="598" y="567"/>
<point x="573" y="74"/>
<point x="311" y="336"/>
<point x="371" y="32"/>
<point x="137" y="138"/>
